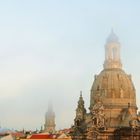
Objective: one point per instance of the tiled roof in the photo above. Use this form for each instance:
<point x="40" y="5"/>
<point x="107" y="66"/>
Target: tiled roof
<point x="42" y="136"/>
<point x="17" y="134"/>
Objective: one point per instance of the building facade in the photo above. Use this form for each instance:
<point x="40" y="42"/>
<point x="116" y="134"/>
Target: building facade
<point x="113" y="109"/>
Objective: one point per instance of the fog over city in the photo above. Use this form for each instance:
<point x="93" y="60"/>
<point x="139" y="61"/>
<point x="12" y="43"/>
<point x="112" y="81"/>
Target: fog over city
<point x="51" y="50"/>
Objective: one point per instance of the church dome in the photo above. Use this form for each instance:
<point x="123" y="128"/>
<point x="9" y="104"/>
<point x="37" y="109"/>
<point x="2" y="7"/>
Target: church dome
<point x="112" y="100"/>
<point x="114" y="87"/>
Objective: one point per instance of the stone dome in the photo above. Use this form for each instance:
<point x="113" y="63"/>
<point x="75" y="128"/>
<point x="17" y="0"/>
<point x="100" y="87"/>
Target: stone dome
<point x="112" y="100"/>
<point x="115" y="90"/>
<point x="114" y="87"/>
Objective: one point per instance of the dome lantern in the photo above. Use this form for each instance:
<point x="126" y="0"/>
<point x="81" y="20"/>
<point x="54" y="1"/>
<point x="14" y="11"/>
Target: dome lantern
<point x="112" y="52"/>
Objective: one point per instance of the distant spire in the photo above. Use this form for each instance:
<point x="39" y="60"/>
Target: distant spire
<point x="50" y="106"/>
<point x="49" y="125"/>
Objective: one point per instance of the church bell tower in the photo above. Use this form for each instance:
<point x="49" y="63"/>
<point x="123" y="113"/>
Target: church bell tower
<point x="49" y="125"/>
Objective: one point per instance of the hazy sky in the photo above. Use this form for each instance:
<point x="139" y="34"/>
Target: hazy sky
<point x="51" y="49"/>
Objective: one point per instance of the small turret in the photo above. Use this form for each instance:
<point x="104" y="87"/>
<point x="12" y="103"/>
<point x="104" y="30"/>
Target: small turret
<point x="80" y="111"/>
<point x="81" y="101"/>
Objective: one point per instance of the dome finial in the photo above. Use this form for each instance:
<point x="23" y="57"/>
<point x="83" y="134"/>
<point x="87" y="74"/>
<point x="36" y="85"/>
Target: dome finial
<point x="81" y="93"/>
<point x="112" y="37"/>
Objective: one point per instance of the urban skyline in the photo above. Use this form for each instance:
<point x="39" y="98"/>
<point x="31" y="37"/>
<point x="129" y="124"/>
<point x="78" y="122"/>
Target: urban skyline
<point x="53" y="49"/>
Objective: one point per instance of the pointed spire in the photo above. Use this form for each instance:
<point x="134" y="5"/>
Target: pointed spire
<point x="50" y="111"/>
<point x="81" y="93"/>
<point x="81" y="101"/>
<point x="80" y="111"/>
<point x="81" y="97"/>
<point x="112" y="37"/>
<point x="50" y="106"/>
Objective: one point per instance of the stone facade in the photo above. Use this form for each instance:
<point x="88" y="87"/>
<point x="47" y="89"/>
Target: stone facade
<point x="113" y="108"/>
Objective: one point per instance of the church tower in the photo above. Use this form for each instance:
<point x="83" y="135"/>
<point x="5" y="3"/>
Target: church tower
<point x="49" y="125"/>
